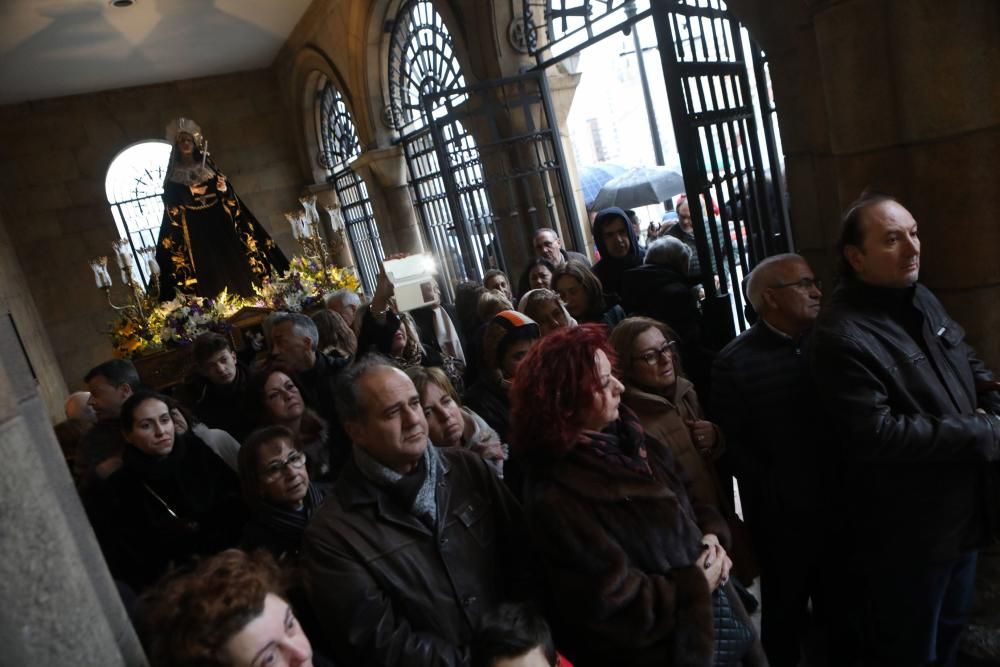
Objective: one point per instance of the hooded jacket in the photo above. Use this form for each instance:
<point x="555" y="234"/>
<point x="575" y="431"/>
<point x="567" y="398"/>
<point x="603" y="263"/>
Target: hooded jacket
<point x="611" y="269"/>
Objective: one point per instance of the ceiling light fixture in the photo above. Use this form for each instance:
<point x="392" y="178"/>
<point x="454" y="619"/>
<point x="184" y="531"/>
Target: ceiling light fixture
<point x="122" y="3"/>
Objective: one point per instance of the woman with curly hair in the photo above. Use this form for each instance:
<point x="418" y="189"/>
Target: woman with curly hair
<point x="226" y="611"/>
<point x="637" y="572"/>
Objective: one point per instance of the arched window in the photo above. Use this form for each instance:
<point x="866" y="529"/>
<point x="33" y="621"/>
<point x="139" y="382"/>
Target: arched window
<point x="422" y="62"/>
<point x="339" y="144"/>
<point x="134" y="186"/>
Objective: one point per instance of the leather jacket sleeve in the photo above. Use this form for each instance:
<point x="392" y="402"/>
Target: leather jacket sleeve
<point x="855" y="389"/>
<point x="354" y="610"/>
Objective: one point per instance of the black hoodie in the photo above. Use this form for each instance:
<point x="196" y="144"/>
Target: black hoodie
<point x="611" y="269"/>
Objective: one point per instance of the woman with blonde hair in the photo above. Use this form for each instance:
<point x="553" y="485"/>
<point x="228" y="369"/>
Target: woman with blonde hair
<point x="449" y="424"/>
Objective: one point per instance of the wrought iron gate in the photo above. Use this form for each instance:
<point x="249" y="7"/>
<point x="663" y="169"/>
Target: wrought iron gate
<point x="739" y="217"/>
<point x="493" y="184"/>
<point x="719" y="94"/>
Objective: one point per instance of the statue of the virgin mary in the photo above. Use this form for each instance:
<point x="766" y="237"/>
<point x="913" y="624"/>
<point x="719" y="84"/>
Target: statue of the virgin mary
<point x="208" y="240"/>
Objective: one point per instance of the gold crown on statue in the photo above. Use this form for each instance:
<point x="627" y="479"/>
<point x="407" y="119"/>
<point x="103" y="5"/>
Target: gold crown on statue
<point x="187" y="125"/>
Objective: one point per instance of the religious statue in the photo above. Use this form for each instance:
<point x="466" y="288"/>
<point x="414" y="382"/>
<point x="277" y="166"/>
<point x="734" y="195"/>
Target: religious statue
<point x="208" y="240"/>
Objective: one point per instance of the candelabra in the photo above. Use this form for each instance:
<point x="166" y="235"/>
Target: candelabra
<point x="305" y="223"/>
<point x="139" y="299"/>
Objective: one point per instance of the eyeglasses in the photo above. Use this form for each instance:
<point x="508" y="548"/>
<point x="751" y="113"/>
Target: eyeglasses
<point x="805" y="283"/>
<point x="272" y="472"/>
<point x="653" y="357"/>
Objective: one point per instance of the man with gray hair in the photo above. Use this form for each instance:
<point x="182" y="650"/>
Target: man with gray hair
<point x="548" y="246"/>
<point x="765" y="404"/>
<point x="345" y="302"/>
<point x="416" y="543"/>
<point x="293" y="338"/>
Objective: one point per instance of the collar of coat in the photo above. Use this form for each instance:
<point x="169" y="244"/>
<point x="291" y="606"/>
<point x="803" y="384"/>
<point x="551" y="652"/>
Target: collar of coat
<point x="645" y="398"/>
<point x="588" y="475"/>
<point x="354" y="491"/>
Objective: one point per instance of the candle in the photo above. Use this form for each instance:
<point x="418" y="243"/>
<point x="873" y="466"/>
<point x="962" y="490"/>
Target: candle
<point x="293" y="219"/>
<point x="204" y="153"/>
<point x="99" y="266"/>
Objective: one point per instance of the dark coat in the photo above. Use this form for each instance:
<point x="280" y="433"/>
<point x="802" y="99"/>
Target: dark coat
<point x="280" y="530"/>
<point x="223" y="406"/>
<point x="154" y="512"/>
<point x="898" y="382"/>
<point x="765" y="402"/>
<point x="488" y="399"/>
<point x="611" y="269"/>
<point x="618" y="550"/>
<point x="389" y="590"/>
<point x="660" y="292"/>
<point x="319" y="390"/>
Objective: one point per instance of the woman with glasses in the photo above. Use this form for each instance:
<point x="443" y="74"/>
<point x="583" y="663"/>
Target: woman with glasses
<point x="666" y="402"/>
<point x="277" y="489"/>
<point x="275" y="398"/>
<point x="172" y="498"/>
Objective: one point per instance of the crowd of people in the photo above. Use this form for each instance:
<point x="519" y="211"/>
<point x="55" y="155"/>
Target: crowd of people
<point x="534" y="478"/>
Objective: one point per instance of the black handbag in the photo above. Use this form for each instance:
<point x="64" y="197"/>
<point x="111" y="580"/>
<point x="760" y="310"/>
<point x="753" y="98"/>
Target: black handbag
<point x="733" y="637"/>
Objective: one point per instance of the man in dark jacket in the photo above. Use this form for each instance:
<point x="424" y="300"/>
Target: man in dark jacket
<point x="916" y="421"/>
<point x="764" y="402"/>
<point x="100" y="451"/>
<point x="416" y="543"/>
<point x="619" y="248"/>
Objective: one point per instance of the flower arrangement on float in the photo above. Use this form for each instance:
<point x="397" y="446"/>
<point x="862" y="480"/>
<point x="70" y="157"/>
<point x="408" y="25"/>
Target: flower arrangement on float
<point x="174" y="324"/>
<point x="303" y="285"/>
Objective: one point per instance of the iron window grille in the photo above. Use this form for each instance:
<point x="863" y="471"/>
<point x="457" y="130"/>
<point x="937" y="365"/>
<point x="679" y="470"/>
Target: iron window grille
<point x="134" y="187"/>
<point x="339" y="145"/>
<point x="423" y="62"/>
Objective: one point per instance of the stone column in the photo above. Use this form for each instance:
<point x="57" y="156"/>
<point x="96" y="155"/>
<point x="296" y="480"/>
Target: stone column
<point x="395" y="214"/>
<point x="60" y="606"/>
<point x="563" y="80"/>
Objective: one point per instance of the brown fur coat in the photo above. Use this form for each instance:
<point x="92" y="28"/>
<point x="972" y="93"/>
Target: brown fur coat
<point x="618" y="550"/>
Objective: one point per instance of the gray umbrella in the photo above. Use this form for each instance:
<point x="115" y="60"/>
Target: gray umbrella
<point x="640" y="186"/>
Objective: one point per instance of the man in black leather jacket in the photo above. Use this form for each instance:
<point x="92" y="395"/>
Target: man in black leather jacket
<point x="416" y="543"/>
<point x="914" y="413"/>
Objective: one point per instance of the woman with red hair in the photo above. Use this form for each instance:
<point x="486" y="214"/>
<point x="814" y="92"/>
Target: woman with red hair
<point x="637" y="574"/>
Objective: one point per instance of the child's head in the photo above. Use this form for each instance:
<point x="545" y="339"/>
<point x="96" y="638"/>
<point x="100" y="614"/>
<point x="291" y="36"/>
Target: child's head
<point x="513" y="636"/>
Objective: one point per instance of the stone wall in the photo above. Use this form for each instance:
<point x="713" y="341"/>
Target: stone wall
<point x="901" y="96"/>
<point x="17" y="304"/>
<point x="52" y="168"/>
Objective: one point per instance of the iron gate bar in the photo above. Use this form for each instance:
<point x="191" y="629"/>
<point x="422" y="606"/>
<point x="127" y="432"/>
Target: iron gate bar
<point x="762" y="75"/>
<point x="541" y="65"/>
<point x="524" y="100"/>
<point x="714" y="122"/>
<point x="459" y="220"/>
